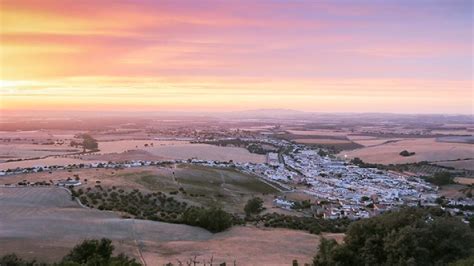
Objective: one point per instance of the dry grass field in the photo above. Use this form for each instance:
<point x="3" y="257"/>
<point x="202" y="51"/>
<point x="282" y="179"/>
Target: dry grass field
<point x="26" y="151"/>
<point x="369" y="141"/>
<point x="464" y="180"/>
<point x="469" y="131"/>
<point x="462" y="164"/>
<point x="37" y="135"/>
<point x="56" y="160"/>
<point x="319" y="132"/>
<point x="322" y="141"/>
<point x="426" y="149"/>
<point x="44" y="223"/>
<point x="119" y="146"/>
<point x="120" y="150"/>
<point x="452" y="191"/>
<point x="206" y="152"/>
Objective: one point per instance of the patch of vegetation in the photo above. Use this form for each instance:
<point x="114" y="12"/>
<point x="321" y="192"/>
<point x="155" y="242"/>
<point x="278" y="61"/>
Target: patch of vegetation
<point x="441" y="179"/>
<point x="309" y="224"/>
<point x="256" y="148"/>
<point x="89" y="252"/>
<point x="213" y="219"/>
<point x="411" y="236"/>
<point x="463" y="262"/>
<point x="301" y="205"/>
<point x="252" y="185"/>
<point x="468" y="190"/>
<point x="153" y="182"/>
<point x="96" y="252"/>
<point x="155" y="206"/>
<point x="471" y="222"/>
<point x="14" y="260"/>
<point x="423" y="167"/>
<point x="198" y="180"/>
<point x="204" y="186"/>
<point x="252" y="147"/>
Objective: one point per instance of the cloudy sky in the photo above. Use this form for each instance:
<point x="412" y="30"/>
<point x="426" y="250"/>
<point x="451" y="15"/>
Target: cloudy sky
<point x="331" y="56"/>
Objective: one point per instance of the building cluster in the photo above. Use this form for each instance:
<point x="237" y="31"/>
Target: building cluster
<point x="347" y="190"/>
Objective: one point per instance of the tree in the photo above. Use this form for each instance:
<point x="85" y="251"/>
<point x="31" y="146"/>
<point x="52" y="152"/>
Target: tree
<point x="89" y="143"/>
<point x="213" y="219"/>
<point x="411" y="236"/>
<point x="406" y="153"/>
<point x="326" y="248"/>
<point x="96" y="252"/>
<point x="253" y="206"/>
<point x="216" y="220"/>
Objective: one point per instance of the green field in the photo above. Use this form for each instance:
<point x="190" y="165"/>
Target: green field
<point x="225" y="188"/>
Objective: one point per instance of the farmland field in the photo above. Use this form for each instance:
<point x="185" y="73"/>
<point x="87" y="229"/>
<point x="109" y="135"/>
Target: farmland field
<point x="56" y="160"/>
<point x="457" y="139"/>
<point x="28" y="136"/>
<point x="320" y="132"/>
<point x="26" y="151"/>
<point x="119" y="146"/>
<point x="461" y="164"/>
<point x="181" y="150"/>
<point x="322" y="141"/>
<point x="44" y="222"/>
<point x="426" y="149"/>
<point x="207" y="152"/>
<point x="113" y="150"/>
<point x="464" y="180"/>
<point x="368" y="141"/>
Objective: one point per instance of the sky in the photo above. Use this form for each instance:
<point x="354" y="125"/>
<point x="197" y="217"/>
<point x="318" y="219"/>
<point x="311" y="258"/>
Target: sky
<point x="411" y="56"/>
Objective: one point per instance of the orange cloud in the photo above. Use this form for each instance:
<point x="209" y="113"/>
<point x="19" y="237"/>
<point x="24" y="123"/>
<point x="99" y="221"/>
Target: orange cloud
<point x="218" y="55"/>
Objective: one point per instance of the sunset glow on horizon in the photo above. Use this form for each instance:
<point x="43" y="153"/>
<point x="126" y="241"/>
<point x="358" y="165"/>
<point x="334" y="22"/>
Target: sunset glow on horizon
<point x="330" y="56"/>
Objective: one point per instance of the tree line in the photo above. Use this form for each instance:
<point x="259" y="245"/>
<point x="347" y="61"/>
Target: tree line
<point x="90" y="252"/>
<point x="410" y="236"/>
